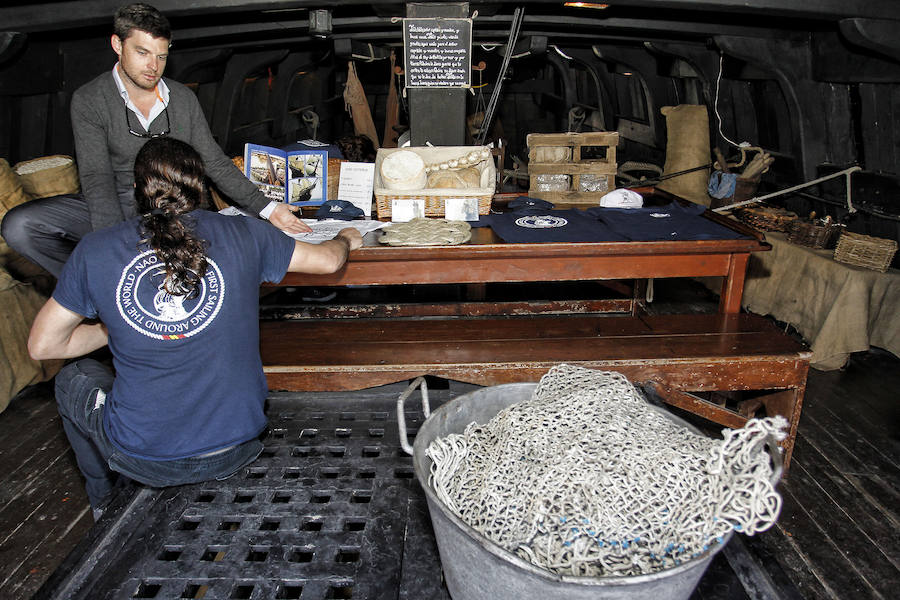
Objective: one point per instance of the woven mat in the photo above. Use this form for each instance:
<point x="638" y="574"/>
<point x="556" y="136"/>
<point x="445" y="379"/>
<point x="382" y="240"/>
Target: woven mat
<point x="427" y="232"/>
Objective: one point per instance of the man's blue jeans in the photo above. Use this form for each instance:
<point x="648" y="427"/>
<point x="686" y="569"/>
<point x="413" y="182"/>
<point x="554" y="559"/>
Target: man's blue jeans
<point x="81" y="389"/>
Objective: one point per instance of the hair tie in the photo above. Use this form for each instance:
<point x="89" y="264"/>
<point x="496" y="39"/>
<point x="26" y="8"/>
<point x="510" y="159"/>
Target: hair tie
<point x="157" y="211"/>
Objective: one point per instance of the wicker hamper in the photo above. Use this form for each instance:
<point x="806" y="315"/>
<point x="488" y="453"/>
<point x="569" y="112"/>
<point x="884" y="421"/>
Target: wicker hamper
<point x="434" y="198"/>
<point x="334" y="177"/>
<point x="865" y="251"/>
<point x="766" y="218"/>
<point x="813" y="234"/>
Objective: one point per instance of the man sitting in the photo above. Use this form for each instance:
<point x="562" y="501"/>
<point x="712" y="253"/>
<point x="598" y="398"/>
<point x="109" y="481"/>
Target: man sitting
<point x="175" y="294"/>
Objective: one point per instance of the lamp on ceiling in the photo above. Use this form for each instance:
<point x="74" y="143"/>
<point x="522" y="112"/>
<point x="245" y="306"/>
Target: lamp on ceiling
<point x="596" y="5"/>
<point x="320" y="23"/>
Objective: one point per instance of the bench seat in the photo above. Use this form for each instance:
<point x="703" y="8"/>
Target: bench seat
<point x="679" y="355"/>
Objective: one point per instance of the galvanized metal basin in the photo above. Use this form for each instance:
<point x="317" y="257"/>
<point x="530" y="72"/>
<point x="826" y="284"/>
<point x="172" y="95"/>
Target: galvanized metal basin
<point x="476" y="568"/>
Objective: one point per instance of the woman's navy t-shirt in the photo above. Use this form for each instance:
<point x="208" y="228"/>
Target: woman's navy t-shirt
<point x="189" y="377"/>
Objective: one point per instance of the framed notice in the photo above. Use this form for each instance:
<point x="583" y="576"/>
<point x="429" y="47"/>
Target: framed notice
<point x="438" y="52"/>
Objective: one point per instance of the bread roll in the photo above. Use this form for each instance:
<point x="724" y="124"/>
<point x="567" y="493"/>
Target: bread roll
<point x="456" y="179"/>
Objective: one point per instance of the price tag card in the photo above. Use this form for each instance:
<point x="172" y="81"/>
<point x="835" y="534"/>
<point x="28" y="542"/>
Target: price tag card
<point x="461" y="209"/>
<point x="403" y="210"/>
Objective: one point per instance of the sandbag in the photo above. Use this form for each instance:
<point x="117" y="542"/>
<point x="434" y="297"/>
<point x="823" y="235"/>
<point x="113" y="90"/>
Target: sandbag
<point x="687" y="147"/>
<point x="19" y="303"/>
<point x="12" y="193"/>
<point x="48" y="176"/>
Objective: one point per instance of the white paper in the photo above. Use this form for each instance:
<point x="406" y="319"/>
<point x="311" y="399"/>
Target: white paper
<point x="329" y="228"/>
<point x="322" y="231"/>
<point x="403" y="210"/>
<point x="461" y="209"/>
<point x="356" y="185"/>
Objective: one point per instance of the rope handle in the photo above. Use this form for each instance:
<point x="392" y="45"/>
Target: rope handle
<point x="401" y="415"/>
<point x="773" y="447"/>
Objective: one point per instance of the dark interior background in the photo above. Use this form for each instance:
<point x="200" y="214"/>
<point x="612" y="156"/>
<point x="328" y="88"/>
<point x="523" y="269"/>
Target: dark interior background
<point x="814" y="82"/>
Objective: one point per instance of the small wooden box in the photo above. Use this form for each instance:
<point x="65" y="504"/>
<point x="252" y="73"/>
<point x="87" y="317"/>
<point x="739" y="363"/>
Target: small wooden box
<point x="574" y="168"/>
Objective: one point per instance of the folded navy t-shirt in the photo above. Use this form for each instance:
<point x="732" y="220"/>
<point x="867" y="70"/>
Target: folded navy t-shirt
<point x="542" y="226"/>
<point x="657" y="223"/>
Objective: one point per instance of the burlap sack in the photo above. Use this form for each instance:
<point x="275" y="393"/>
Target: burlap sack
<point x="19" y="303"/>
<point x="11" y="192"/>
<point x="48" y="176"/>
<point x="687" y="147"/>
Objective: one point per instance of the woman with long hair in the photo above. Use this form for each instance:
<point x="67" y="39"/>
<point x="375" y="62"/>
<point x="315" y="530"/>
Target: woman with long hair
<point x="168" y="290"/>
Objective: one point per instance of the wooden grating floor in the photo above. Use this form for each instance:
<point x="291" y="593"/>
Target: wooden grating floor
<point x="838" y="535"/>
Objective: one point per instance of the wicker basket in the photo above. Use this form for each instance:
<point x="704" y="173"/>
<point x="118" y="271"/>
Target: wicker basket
<point x="813" y="234"/>
<point x="766" y="218"/>
<point x="865" y="251"/>
<point x="334" y="178"/>
<point x="434" y="198"/>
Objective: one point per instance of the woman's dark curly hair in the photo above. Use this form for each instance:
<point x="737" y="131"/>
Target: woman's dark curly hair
<point x="169" y="182"/>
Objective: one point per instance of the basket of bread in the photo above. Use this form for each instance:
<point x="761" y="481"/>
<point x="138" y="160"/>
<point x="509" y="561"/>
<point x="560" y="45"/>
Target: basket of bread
<point x="434" y="174"/>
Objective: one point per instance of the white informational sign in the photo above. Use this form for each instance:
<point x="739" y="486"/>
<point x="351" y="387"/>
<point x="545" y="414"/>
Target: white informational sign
<point x="356" y="185"/>
<point x="403" y="210"/>
<point x="461" y="209"/>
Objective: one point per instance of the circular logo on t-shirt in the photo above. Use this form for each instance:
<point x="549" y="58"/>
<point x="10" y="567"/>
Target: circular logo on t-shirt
<point x="147" y="306"/>
<point x="541" y="221"/>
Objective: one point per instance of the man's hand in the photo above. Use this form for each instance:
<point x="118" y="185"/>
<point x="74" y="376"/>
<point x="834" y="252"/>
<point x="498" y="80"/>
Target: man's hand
<point x="287" y="220"/>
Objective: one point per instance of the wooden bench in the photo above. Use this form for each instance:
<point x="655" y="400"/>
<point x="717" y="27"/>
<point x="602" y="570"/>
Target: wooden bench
<point x="681" y="356"/>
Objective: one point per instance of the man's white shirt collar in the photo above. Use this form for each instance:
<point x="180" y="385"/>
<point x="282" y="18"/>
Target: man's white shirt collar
<point x="162" y="99"/>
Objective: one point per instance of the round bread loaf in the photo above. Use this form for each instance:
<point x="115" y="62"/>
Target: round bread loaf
<point x="403" y="170"/>
<point x="471" y="177"/>
<point x="455" y="179"/>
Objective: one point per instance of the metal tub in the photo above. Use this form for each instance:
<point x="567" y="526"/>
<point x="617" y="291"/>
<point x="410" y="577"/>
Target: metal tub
<point x="476" y="568"/>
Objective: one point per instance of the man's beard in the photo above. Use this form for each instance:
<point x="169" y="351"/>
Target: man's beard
<point x="139" y="81"/>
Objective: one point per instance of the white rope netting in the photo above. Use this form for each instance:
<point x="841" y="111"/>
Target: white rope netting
<point x="587" y="478"/>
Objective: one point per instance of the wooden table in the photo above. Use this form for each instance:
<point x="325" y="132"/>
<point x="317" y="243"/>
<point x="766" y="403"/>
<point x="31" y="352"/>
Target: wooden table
<point x="680" y="355"/>
<point x="488" y="259"/>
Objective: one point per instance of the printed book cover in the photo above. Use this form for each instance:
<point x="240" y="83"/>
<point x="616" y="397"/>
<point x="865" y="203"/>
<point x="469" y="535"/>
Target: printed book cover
<point x="299" y="177"/>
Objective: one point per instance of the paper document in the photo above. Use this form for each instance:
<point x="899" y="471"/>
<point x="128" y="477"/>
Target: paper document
<point x="329" y="228"/>
<point x="321" y="230"/>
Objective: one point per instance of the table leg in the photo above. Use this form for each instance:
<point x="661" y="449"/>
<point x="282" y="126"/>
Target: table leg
<point x="733" y="284"/>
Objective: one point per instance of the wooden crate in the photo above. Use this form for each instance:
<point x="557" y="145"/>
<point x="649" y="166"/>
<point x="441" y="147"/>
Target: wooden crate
<point x="571" y="162"/>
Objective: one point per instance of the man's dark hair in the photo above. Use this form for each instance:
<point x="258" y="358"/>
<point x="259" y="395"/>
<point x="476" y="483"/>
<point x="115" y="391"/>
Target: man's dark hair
<point x="143" y="17"/>
<point x="169" y="182"/>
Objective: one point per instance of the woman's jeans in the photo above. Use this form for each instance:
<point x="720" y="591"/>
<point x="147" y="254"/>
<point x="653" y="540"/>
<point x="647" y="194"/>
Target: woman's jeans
<point x="81" y="389"/>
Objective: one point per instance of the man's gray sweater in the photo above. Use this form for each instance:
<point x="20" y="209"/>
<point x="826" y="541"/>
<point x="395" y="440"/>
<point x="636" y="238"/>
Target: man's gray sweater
<point x="105" y="151"/>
